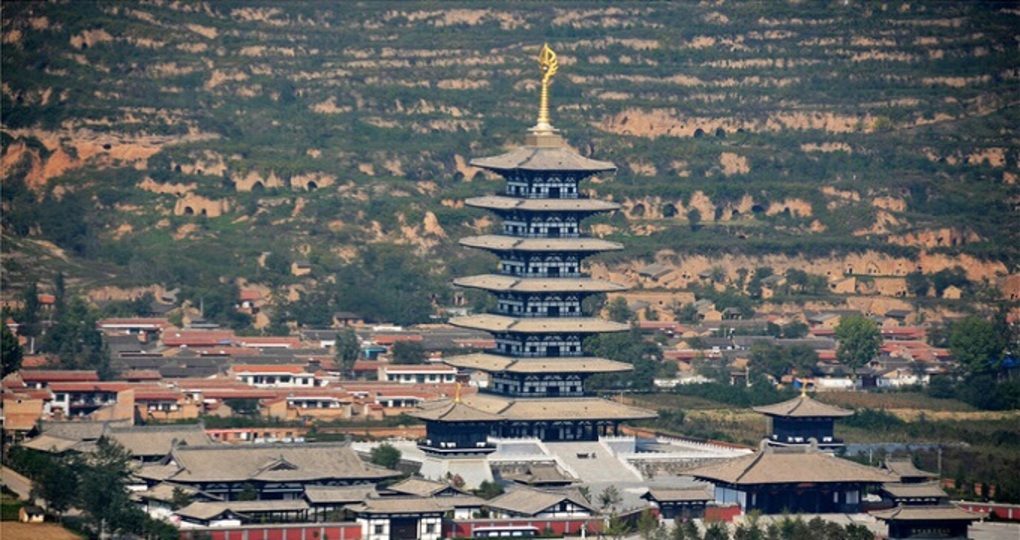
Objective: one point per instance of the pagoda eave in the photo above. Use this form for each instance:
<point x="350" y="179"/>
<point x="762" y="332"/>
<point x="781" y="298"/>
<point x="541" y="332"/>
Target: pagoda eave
<point x="499" y="283"/>
<point x="500" y="243"/>
<point x="538" y="325"/>
<point x="496" y="363"/>
<point x="505" y="204"/>
<point x="542" y="159"/>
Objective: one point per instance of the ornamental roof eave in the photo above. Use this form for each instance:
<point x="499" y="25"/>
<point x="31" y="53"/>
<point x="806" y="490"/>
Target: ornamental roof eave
<point x="454" y="411"/>
<point x="497" y="363"/>
<point x="498" y="242"/>
<point x="549" y="409"/>
<point x="538" y="325"/>
<point x="542" y="158"/>
<point x="803" y="406"/>
<point x="789" y="466"/>
<point x="501" y="283"/>
<point x="501" y="203"/>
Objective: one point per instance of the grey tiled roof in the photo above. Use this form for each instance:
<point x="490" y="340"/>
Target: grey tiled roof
<point x="789" y="466"/>
<point x="157" y="440"/>
<point x="538" y="325"/>
<point x="273" y="463"/>
<point x="542" y="158"/>
<point x="529" y="501"/>
<point x="495" y="363"/>
<point x="497" y="282"/>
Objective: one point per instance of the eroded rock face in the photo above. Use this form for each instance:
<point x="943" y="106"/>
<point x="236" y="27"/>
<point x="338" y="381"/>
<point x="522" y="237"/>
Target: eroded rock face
<point x="196" y="205"/>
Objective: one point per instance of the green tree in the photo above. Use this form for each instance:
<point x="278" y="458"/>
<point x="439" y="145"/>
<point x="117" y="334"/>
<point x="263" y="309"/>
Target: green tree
<point x="694" y="219"/>
<point x="976" y="345"/>
<point x="243" y="406"/>
<point x="610" y="497"/>
<point x="648" y="525"/>
<point x="778" y="361"/>
<point x="57" y="484"/>
<point x="619" y="311"/>
<point x="102" y="490"/>
<point x="248" y="492"/>
<point x="10" y="350"/>
<point x="488" y="490"/>
<point x="76" y="340"/>
<point x="716" y="531"/>
<point x="687" y="530"/>
<point x="28" y="316"/>
<point x="408" y="352"/>
<point x="180" y="498"/>
<point x="918" y="284"/>
<point x="348" y="350"/>
<point x="859" y="341"/>
<point x="385" y="455"/>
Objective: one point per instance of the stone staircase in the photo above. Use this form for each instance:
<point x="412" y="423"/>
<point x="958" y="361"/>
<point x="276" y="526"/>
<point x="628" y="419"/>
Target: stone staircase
<point x="591" y="462"/>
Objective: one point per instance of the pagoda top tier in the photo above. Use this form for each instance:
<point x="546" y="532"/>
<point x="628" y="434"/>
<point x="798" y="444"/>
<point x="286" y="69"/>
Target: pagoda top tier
<point x="803" y="406"/>
<point x="542" y="159"/>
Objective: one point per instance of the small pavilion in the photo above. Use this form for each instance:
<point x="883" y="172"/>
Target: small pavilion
<point x="795" y="422"/>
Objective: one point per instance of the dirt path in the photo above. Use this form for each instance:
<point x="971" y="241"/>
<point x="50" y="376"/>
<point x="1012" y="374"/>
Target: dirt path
<point x="14" y="530"/>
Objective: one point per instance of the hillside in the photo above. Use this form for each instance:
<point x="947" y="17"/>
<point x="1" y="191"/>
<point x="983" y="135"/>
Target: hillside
<point x="157" y="145"/>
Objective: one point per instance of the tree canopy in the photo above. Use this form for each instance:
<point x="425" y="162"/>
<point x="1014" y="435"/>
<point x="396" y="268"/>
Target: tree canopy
<point x="859" y="341"/>
<point x="10" y="351"/>
<point x="977" y="345"/>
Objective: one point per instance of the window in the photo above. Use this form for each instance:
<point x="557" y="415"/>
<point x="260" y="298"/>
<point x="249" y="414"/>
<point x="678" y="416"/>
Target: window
<point x="378" y="529"/>
<point x="430" y="528"/>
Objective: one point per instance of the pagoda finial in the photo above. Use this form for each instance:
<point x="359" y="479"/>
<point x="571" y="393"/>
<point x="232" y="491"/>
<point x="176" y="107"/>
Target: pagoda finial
<point x="456" y="396"/>
<point x="549" y="66"/>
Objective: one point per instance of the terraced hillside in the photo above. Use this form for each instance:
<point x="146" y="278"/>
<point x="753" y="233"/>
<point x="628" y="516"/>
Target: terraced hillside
<point x="196" y="144"/>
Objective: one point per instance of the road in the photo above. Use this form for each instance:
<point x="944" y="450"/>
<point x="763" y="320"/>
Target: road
<point x="16" y="482"/>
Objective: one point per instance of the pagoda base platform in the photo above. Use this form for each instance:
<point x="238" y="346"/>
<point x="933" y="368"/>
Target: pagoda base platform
<point x="473" y="470"/>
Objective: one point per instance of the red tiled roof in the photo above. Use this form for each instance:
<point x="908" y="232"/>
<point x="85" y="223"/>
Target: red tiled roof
<point x="660" y="325"/>
<point x="252" y="341"/>
<point x="138" y="322"/>
<point x="250" y="295"/>
<point x="680" y="355"/>
<point x="367" y="365"/>
<point x="389" y="339"/>
<point x="475" y="343"/>
<point x="238" y="393"/>
<point x="47" y="299"/>
<point x="158" y="394"/>
<point x="34" y="361"/>
<point x="415" y="368"/>
<point x="201" y="384"/>
<point x="90" y="386"/>
<point x="58" y="375"/>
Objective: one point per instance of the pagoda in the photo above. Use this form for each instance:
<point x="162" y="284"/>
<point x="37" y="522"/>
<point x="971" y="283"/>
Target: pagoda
<point x="797" y="421"/>
<point x="538" y="368"/>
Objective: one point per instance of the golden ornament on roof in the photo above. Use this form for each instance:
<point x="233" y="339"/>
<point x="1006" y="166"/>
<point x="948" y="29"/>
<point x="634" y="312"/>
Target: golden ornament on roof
<point x="548" y="64"/>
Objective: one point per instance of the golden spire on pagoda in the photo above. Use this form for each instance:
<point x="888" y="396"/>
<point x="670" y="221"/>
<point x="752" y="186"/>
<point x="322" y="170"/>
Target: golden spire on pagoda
<point x="456" y="396"/>
<point x="548" y="64"/>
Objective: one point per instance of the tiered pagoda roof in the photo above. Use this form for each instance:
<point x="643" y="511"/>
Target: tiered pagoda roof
<point x="537" y="368"/>
<point x="803" y="406"/>
<point x="495" y="362"/>
<point x="538" y="325"/>
<point x="542" y="159"/>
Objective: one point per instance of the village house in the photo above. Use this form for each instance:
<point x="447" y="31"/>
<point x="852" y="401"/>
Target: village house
<point x="417" y="374"/>
<point x="277" y="376"/>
